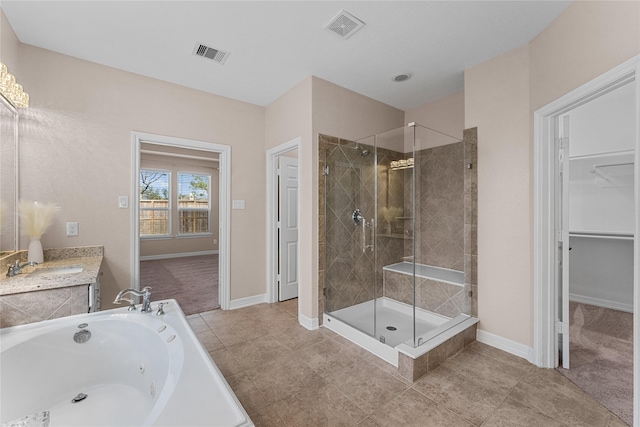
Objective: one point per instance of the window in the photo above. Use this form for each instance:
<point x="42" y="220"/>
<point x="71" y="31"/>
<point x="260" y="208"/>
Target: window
<point x="194" y="207"/>
<point x="155" y="206"/>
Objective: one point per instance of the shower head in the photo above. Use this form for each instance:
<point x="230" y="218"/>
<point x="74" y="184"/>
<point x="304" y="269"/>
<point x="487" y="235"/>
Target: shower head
<point x="363" y="152"/>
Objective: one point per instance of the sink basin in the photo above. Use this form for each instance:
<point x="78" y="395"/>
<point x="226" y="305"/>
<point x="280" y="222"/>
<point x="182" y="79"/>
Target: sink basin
<point x="56" y="271"/>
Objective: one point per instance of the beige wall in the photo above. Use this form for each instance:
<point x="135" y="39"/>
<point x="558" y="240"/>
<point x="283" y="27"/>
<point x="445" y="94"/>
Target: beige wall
<point x="8" y="46"/>
<point x="76" y="151"/>
<point x="445" y="115"/>
<point x="501" y="95"/>
<point x="497" y="94"/>
<point x="345" y="114"/>
<point x="287" y="118"/>
<point x="316" y="106"/>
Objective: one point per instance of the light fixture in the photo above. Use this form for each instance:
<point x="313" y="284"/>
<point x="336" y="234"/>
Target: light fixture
<point x="401" y="77"/>
<point x="401" y="164"/>
<point x="11" y="90"/>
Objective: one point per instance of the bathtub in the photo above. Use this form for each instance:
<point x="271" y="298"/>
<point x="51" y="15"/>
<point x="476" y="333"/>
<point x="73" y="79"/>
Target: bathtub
<point x="134" y="369"/>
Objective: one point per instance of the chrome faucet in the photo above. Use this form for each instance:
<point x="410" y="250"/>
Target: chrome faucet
<point x="145" y="293"/>
<point x="15" y="269"/>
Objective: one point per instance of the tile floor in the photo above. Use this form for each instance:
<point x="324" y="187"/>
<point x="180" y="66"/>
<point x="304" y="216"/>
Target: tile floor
<point x="285" y="375"/>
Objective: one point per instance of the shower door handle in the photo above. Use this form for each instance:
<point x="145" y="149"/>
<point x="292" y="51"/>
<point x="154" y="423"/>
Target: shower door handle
<point x="370" y="245"/>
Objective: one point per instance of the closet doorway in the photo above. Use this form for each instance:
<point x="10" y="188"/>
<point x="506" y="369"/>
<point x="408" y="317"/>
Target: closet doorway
<point x="596" y="151"/>
<point x="554" y="134"/>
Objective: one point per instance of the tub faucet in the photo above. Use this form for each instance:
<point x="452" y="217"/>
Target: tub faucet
<point x="15" y="269"/>
<point x="145" y="293"/>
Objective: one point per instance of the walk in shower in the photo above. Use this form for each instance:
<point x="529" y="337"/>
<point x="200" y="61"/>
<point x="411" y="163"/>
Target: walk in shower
<point x="397" y="225"/>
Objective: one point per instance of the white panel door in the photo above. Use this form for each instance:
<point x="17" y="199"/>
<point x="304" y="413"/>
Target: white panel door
<point x="288" y="228"/>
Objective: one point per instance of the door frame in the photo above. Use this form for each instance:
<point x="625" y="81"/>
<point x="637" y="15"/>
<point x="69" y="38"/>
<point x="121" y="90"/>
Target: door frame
<point x="272" y="215"/>
<point x="224" y="213"/>
<point x="544" y="238"/>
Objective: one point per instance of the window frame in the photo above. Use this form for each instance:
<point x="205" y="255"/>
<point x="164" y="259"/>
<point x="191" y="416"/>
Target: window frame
<point x="179" y="233"/>
<point x="169" y="208"/>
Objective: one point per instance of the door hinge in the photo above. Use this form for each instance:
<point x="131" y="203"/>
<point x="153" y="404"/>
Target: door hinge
<point x="278" y="278"/>
<point x="278" y="171"/>
<point x="325" y="171"/>
<point x="278" y="224"/>
<point x="562" y="328"/>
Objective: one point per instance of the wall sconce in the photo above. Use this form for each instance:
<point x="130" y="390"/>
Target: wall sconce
<point x="11" y="90"/>
<point x="401" y="164"/>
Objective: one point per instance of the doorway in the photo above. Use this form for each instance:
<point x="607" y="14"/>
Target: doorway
<point x="596" y="217"/>
<point x="283" y="219"/>
<point x="180" y="229"/>
<point x="586" y="198"/>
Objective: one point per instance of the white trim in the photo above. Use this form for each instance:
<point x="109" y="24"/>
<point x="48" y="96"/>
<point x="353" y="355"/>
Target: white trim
<point x="599" y="302"/>
<point x="179" y="255"/>
<point x="544" y="334"/>
<point x="544" y="205"/>
<point x="310" y="323"/>
<point x="224" y="236"/>
<point x="272" y="209"/>
<point x="248" y="301"/>
<point x="505" y="344"/>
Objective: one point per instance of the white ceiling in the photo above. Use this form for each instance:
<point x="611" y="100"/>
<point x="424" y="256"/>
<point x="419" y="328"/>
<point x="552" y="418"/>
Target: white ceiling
<point x="276" y="44"/>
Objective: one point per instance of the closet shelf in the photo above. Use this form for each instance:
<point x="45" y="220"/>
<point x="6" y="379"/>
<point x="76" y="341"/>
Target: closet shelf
<point x="602" y="235"/>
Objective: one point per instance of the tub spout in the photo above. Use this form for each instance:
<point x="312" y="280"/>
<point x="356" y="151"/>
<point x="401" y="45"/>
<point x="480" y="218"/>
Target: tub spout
<point x="145" y="293"/>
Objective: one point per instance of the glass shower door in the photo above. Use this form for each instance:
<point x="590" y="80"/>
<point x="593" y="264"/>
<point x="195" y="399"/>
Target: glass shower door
<point x="349" y="211"/>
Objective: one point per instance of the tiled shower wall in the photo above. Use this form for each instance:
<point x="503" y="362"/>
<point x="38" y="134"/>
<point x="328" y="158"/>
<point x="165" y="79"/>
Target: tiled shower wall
<point x="346" y="270"/>
<point x="446" y="224"/>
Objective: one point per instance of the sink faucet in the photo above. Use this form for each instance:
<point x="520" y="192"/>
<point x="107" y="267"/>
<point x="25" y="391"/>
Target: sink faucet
<point x="15" y="269"/>
<point x="145" y="293"/>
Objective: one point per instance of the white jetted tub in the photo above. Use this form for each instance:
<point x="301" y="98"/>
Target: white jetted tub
<point x="113" y="368"/>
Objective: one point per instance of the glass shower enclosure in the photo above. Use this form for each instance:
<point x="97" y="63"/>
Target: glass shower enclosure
<point x="394" y="234"/>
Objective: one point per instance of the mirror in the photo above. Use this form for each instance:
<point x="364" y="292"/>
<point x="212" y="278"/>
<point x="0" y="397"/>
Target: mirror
<point x="8" y="178"/>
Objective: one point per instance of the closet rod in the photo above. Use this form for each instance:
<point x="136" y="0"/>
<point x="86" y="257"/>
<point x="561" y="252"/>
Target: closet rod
<point x="601" y="235"/>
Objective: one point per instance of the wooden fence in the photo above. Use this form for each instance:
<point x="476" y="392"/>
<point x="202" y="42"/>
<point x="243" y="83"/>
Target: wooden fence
<point x="193" y="217"/>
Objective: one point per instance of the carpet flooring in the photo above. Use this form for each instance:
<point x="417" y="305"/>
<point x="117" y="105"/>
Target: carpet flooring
<point x="192" y="281"/>
<point x="601" y="351"/>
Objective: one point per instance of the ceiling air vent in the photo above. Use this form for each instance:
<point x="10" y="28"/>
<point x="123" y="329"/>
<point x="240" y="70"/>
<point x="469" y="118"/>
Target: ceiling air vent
<point x="345" y="24"/>
<point x="211" y="53"/>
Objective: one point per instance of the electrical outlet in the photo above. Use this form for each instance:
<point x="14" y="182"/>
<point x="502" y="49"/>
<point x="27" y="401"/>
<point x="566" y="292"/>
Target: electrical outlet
<point x="123" y="202"/>
<point x="72" y="229"/>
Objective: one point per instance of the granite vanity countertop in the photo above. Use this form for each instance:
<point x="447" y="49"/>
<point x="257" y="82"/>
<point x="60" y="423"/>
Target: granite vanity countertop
<point x="24" y="282"/>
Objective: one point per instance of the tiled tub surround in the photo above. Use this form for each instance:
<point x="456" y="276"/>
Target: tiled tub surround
<point x="27" y="298"/>
<point x="136" y="369"/>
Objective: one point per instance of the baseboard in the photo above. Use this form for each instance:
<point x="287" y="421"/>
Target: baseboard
<point x="179" y="255"/>
<point x="505" y="344"/>
<point x="310" y="323"/>
<point x="248" y="301"/>
<point x="599" y="302"/>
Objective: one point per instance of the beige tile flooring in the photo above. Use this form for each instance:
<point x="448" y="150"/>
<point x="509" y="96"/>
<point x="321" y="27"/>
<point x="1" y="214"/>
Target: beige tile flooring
<point x="285" y="375"/>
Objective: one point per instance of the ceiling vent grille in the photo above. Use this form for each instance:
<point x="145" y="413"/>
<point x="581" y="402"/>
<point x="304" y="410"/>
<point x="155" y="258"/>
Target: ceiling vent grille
<point x="216" y="55"/>
<point x="345" y="24"/>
